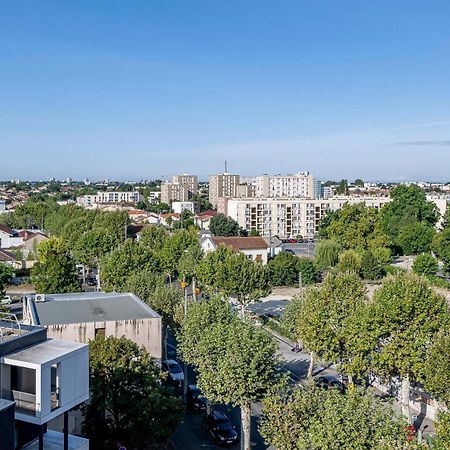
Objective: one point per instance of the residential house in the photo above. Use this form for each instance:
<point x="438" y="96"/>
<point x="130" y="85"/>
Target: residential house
<point x="9" y="258"/>
<point x="255" y="248"/>
<point x="203" y="219"/>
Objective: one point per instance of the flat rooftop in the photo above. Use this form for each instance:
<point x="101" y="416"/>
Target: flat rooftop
<point x="43" y="353"/>
<point x="85" y="307"/>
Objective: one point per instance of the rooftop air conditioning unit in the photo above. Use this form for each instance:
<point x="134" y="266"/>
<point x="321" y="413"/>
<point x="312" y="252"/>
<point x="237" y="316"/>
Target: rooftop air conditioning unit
<point x="39" y="298"/>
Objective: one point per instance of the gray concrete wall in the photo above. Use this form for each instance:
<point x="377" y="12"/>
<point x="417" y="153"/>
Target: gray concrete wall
<point x="144" y="332"/>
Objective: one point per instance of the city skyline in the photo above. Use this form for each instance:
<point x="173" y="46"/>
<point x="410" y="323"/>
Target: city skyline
<point x="147" y="90"/>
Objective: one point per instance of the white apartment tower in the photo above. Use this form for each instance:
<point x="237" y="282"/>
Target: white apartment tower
<point x="300" y="185"/>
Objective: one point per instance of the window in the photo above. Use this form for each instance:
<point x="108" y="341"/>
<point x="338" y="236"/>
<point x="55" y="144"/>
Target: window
<point x="100" y="332"/>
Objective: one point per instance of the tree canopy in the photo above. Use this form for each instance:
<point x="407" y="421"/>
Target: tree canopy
<point x="221" y="225"/>
<point x="233" y="274"/>
<point x="125" y="384"/>
<point x="55" y="270"/>
<point x="400" y="217"/>
<point x="317" y="419"/>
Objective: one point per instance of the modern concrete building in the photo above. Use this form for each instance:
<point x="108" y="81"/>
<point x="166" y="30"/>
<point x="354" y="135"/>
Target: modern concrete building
<point x="289" y="217"/>
<point x="300" y="185"/>
<point x="190" y="181"/>
<point x="40" y="380"/>
<point x="223" y="185"/>
<point x="174" y="192"/>
<point x="81" y="316"/>
<point x="2" y="206"/>
<point x="255" y="248"/>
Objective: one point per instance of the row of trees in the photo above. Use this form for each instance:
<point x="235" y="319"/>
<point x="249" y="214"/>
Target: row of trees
<point x="397" y="333"/>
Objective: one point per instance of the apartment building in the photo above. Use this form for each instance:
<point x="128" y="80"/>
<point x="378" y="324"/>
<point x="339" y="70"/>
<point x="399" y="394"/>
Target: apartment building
<point x="174" y="192"/>
<point x="109" y="197"/>
<point x="223" y="185"/>
<point x="191" y="181"/>
<point x="289" y="217"/>
<point x="40" y="380"/>
<point x="2" y="206"/>
<point x="300" y="185"/>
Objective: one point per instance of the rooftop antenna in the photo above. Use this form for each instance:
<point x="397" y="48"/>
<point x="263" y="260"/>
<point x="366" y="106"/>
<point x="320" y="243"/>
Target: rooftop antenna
<point x="226" y="171"/>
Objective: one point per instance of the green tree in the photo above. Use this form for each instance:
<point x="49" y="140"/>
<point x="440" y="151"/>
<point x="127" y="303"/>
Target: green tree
<point x="349" y="262"/>
<point x="402" y="319"/>
<point x="441" y="247"/>
<point x="357" y="227"/>
<point x="442" y="429"/>
<point x="322" y="316"/>
<point x="318" y="419"/>
<point x="308" y="270"/>
<point x="371" y="269"/>
<point x="55" y="270"/>
<point x="92" y="245"/>
<point x="235" y="362"/>
<point x="329" y="218"/>
<point x="283" y="269"/>
<point x="415" y="238"/>
<point x="153" y="238"/>
<point x="128" y="403"/>
<point x="358" y="182"/>
<point x="221" y="225"/>
<point x="425" y="264"/>
<point x="173" y="249"/>
<point x="327" y="253"/>
<point x="342" y="188"/>
<point x="233" y="274"/>
<point x="6" y="272"/>
<point x="437" y="363"/>
<point x="117" y="266"/>
<point x="408" y="207"/>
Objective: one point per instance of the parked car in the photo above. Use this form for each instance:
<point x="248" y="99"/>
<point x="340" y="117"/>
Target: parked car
<point x="329" y="381"/>
<point x="173" y="368"/>
<point x="195" y="399"/>
<point x="221" y="429"/>
<point x="6" y="300"/>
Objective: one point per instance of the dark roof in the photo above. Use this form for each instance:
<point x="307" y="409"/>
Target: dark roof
<point x="7" y="256"/>
<point x="6" y="229"/>
<point x="238" y="243"/>
<point x="85" y="307"/>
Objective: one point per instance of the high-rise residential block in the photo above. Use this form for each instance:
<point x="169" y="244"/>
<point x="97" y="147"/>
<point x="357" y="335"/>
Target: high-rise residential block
<point x="191" y="181"/>
<point x="223" y="185"/>
<point x="174" y="192"/>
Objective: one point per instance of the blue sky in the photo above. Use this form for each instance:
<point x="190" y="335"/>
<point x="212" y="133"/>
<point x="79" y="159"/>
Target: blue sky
<point x="141" y="89"/>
